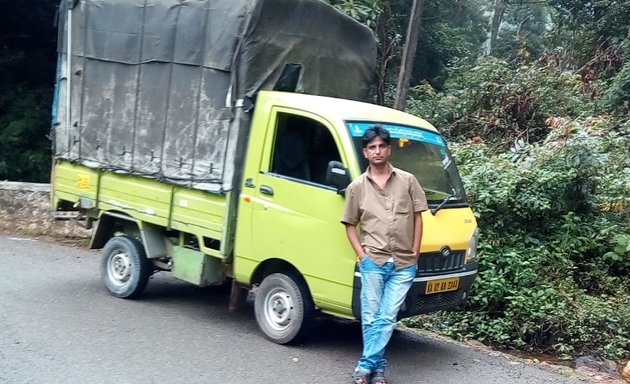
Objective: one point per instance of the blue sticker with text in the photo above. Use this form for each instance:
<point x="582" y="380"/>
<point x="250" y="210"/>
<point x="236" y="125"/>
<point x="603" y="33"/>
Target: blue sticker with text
<point x="399" y="132"/>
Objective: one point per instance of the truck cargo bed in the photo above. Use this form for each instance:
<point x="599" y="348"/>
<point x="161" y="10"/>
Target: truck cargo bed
<point x="171" y="206"/>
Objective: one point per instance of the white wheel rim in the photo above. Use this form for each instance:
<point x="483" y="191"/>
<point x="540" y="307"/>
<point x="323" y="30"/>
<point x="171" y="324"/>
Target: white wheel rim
<point x="278" y="309"/>
<point x="119" y="268"/>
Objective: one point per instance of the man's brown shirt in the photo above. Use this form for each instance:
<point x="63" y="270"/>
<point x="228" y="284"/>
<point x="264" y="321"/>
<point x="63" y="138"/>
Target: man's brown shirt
<point x="386" y="215"/>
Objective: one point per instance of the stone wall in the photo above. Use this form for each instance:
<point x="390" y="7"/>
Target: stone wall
<point x="25" y="210"/>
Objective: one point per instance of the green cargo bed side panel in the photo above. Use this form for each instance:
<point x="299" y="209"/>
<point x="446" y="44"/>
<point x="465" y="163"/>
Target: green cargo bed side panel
<point x="167" y="205"/>
<point x="72" y="182"/>
<point x="142" y="198"/>
<point x="194" y="208"/>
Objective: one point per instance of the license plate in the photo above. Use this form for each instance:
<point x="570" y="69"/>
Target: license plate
<point x="442" y="285"/>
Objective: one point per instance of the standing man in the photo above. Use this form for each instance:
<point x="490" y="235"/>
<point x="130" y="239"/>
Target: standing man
<point x="386" y="202"/>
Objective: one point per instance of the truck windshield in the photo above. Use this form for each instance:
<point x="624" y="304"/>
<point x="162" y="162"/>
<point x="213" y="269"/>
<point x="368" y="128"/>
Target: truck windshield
<point x="421" y="152"/>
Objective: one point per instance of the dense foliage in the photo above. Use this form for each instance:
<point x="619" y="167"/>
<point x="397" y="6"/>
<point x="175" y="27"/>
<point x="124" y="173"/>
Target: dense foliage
<point x="451" y="29"/>
<point x="545" y="162"/>
<point x="27" y="62"/>
<point x="555" y="242"/>
<point x="498" y="103"/>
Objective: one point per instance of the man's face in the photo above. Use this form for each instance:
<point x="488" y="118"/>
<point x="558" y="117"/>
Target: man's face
<point x="377" y="152"/>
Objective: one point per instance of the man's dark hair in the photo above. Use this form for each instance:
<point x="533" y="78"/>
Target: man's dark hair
<point x="373" y="132"/>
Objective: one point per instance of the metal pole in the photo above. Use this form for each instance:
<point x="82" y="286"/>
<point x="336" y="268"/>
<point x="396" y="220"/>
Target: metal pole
<point x="69" y="73"/>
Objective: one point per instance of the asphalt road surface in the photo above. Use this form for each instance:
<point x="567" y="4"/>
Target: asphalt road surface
<point x="58" y="324"/>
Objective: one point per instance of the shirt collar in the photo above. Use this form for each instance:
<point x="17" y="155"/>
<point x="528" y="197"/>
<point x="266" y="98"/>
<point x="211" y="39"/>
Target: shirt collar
<point x="392" y="171"/>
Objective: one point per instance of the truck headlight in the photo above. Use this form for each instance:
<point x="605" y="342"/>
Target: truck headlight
<point x="471" y="253"/>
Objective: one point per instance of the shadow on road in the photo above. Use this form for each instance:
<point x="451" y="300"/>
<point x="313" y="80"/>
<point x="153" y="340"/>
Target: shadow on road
<point x="211" y="303"/>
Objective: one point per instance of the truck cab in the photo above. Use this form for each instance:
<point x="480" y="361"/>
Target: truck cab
<point x="290" y="206"/>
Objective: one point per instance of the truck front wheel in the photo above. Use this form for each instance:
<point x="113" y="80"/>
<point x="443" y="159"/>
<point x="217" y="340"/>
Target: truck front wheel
<point x="125" y="269"/>
<point x="284" y="308"/>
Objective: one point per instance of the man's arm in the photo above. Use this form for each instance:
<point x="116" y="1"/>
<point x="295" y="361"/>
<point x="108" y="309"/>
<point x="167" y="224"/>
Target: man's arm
<point x="420" y="204"/>
<point x="417" y="232"/>
<point x="353" y="236"/>
<point x="351" y="218"/>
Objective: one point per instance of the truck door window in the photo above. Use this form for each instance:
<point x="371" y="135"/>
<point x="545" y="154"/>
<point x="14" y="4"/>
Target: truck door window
<point x="303" y="148"/>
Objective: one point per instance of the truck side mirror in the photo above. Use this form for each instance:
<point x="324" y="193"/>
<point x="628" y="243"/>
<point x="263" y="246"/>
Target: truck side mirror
<point x="338" y="176"/>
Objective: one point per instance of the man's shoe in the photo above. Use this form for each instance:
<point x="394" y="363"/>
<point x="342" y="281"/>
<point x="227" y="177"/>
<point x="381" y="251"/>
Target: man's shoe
<point x="379" y="378"/>
<point x="361" y="377"/>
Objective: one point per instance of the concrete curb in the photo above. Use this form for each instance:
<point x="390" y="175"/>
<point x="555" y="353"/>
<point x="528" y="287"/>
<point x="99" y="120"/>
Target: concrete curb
<point x="20" y="186"/>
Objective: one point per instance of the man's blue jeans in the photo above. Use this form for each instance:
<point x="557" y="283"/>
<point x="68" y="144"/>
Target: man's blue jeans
<point x="382" y="293"/>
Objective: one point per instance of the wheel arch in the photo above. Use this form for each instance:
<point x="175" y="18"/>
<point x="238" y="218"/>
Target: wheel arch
<point x="151" y="236"/>
<point x="274" y="265"/>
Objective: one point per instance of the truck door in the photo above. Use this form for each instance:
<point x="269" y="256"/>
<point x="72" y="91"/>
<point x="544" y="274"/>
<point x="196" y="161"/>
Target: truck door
<point x="296" y="214"/>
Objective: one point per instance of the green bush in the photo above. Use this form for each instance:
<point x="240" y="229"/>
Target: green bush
<point x="617" y="95"/>
<point x="24" y="125"/>
<point x="554" y="243"/>
<point x="496" y="103"/>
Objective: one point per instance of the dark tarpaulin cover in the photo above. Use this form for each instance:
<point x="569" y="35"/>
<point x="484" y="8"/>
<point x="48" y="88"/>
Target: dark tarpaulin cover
<point x="154" y="84"/>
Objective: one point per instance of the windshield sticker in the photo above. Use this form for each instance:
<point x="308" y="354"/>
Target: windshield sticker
<point x="399" y="132"/>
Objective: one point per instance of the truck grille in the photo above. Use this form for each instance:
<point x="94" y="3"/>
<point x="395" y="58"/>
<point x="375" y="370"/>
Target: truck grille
<point x="437" y="300"/>
<point x="435" y="262"/>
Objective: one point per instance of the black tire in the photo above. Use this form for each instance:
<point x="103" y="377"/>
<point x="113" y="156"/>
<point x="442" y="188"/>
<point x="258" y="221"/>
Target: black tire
<point x="125" y="269"/>
<point x="284" y="308"/>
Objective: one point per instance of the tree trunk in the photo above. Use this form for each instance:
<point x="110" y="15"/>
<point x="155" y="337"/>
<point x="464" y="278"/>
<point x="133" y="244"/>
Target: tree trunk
<point x="387" y="50"/>
<point x="497" y="18"/>
<point x="409" y="53"/>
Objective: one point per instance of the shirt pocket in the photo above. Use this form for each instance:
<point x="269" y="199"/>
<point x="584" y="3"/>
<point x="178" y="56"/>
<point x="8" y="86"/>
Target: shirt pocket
<point x="403" y="205"/>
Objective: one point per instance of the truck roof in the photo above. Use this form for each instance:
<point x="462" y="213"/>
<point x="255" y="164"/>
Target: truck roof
<point x="346" y="110"/>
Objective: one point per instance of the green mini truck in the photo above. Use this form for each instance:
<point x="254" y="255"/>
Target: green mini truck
<point x="214" y="139"/>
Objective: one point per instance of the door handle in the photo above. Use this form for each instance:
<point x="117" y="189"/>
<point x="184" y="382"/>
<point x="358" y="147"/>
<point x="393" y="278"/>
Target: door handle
<point x="267" y="190"/>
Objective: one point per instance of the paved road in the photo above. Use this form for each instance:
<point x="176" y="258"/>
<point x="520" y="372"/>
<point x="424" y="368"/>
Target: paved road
<point x="59" y="325"/>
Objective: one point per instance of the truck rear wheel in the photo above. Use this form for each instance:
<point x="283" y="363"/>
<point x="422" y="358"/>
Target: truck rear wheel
<point x="284" y="308"/>
<point x="125" y="269"/>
